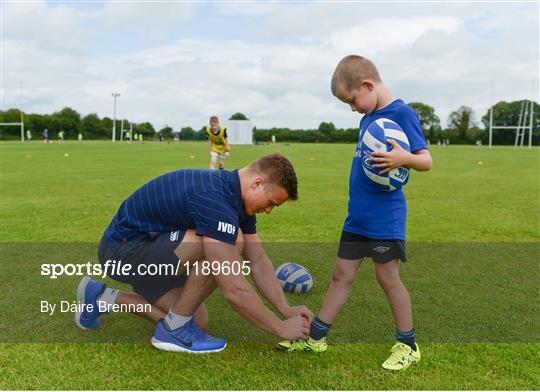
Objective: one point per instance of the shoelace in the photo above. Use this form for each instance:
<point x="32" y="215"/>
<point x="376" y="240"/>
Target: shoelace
<point x="194" y="331"/>
<point x="398" y="352"/>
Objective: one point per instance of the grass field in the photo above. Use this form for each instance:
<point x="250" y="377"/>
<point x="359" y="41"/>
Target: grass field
<point x="473" y="231"/>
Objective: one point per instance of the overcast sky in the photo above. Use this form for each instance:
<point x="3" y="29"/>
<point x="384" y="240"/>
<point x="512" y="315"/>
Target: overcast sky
<point x="176" y="63"/>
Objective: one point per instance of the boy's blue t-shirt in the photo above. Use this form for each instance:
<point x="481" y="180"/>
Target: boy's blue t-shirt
<point x="371" y="212"/>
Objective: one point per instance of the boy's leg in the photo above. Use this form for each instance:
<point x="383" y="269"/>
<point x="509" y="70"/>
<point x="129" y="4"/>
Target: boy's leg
<point x="336" y="297"/>
<point x="213" y="160"/>
<point x="339" y="291"/>
<point x="405" y="352"/>
<point x="400" y="302"/>
<point x="222" y="161"/>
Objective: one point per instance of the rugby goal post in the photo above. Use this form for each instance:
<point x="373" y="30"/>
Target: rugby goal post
<point x="21" y="124"/>
<point x="525" y="123"/>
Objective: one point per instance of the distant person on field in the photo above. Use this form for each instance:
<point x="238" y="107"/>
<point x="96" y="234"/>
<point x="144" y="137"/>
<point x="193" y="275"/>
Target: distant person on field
<point x="375" y="222"/>
<point x="29" y="135"/>
<point x="45" y="135"/>
<point x="218" y="145"/>
<point x="61" y="136"/>
<point x="80" y="137"/>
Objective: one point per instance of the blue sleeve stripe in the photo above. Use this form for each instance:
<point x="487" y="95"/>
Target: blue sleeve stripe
<point x="138" y="197"/>
<point x="202" y="181"/>
<point x="212" y="183"/>
<point x="165" y="201"/>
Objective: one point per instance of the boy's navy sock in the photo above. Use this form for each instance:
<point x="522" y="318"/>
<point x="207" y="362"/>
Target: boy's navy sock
<point x="319" y="329"/>
<point x="407" y="338"/>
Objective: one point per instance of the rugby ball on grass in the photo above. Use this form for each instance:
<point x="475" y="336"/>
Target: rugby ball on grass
<point x="294" y="278"/>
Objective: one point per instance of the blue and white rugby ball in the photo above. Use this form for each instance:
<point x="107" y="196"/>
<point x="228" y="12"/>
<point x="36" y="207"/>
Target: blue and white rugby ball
<point x="375" y="139"/>
<point x="294" y="278"/>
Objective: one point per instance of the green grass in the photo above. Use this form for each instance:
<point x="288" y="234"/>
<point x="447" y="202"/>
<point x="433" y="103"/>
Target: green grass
<point x="473" y="235"/>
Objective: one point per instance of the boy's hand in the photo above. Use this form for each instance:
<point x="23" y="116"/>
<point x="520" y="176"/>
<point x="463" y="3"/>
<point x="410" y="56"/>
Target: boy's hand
<point x="390" y="160"/>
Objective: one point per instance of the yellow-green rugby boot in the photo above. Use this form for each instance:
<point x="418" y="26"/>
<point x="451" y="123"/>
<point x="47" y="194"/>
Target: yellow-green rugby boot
<point x="402" y="356"/>
<point x="317" y="346"/>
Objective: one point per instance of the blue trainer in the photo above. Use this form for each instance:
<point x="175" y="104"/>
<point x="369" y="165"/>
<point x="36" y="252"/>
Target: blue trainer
<point x="87" y="293"/>
<point x="188" y="338"/>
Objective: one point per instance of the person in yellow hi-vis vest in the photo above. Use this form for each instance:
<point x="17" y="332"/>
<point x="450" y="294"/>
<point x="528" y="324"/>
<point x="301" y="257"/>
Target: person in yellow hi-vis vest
<point x="217" y="143"/>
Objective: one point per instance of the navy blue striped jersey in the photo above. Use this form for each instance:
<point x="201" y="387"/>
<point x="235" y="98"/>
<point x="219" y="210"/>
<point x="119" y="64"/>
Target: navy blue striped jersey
<point x="208" y="201"/>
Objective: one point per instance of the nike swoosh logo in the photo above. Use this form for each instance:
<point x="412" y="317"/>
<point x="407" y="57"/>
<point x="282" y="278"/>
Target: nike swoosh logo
<point x="187" y="343"/>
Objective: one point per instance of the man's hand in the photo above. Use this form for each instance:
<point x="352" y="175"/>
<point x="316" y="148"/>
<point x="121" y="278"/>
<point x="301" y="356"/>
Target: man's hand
<point x="302" y="310"/>
<point x="390" y="160"/>
<point x="294" y="328"/>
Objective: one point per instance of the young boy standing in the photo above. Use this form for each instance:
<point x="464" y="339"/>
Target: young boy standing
<point x="366" y="232"/>
<point x="217" y="143"/>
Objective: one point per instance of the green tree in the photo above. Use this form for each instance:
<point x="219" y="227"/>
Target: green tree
<point x="429" y="121"/>
<point x="238" y="116"/>
<point x="166" y="132"/>
<point x="93" y="128"/>
<point x="107" y="124"/>
<point x="327" y="131"/>
<point x="67" y="120"/>
<point x="459" y="123"/>
<point x="145" y="128"/>
<point x="187" y="133"/>
<point x="35" y="123"/>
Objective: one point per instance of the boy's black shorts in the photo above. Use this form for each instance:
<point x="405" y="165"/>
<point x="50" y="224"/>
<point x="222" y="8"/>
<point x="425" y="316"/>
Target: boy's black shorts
<point x="355" y="246"/>
<point x="156" y="250"/>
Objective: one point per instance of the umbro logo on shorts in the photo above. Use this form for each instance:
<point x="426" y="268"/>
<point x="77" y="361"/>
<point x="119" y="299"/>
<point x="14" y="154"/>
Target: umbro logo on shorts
<point x="174" y="235"/>
<point x="381" y="249"/>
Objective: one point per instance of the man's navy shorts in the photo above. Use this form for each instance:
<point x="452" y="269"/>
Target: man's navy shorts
<point x="156" y="250"/>
<point x="355" y="246"/>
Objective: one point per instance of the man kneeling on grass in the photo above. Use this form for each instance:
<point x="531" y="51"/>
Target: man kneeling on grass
<point x="199" y="221"/>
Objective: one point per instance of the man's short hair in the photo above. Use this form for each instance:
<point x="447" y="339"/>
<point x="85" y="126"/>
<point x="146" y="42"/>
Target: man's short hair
<point x="214" y="119"/>
<point x="278" y="170"/>
<point x="352" y="70"/>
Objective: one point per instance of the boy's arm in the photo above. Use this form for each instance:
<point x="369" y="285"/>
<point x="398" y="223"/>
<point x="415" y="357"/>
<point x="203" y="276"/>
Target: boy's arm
<point x="419" y="160"/>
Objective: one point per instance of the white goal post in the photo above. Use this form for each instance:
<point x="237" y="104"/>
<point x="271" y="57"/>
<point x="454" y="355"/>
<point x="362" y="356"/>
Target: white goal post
<point x="525" y="123"/>
<point x="21" y="124"/>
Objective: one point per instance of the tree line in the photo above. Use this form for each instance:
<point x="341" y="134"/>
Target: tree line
<point x="462" y="127"/>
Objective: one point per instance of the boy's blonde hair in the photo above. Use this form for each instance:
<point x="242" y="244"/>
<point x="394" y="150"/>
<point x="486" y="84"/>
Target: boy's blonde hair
<point x="352" y="70"/>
